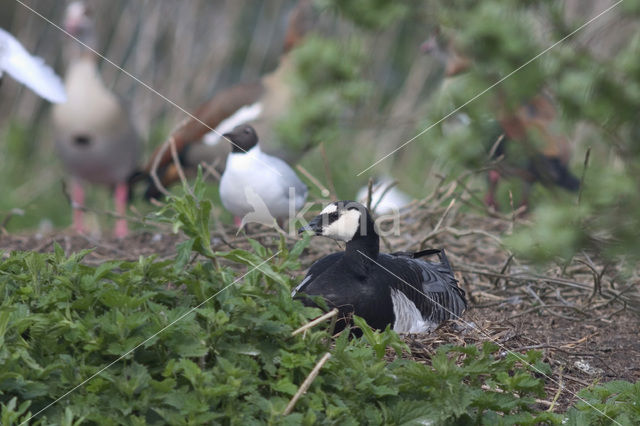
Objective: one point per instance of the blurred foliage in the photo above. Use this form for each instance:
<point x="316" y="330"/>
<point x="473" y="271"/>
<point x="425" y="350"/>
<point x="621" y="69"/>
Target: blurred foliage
<point x="327" y="84"/>
<point x="369" y="14"/>
<point x="595" y="81"/>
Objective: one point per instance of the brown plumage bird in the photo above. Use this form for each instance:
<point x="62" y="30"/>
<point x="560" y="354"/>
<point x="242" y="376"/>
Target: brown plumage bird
<point x="260" y="103"/>
<point x="94" y="135"/>
<point x="532" y="120"/>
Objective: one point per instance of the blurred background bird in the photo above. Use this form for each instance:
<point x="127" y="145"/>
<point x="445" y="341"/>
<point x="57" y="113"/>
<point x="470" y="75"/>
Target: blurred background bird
<point x="94" y="134"/>
<point x="543" y="153"/>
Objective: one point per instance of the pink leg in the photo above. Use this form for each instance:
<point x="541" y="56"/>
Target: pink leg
<point x="77" y="203"/>
<point x="121" y="196"/>
<point x="526" y="193"/>
<point x="490" y="198"/>
<point x="237" y="221"/>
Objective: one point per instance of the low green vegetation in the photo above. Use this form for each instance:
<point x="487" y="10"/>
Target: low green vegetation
<point x="207" y="337"/>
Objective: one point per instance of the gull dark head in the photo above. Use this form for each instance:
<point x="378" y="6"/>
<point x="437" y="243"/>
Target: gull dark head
<point x="342" y="221"/>
<point x="242" y="138"/>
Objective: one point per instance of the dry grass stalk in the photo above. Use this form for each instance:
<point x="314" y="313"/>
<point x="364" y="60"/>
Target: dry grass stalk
<point x="330" y="314"/>
<point x="307" y="382"/>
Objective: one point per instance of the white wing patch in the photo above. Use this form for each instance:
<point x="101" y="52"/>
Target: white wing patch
<point x="243" y="115"/>
<point x="29" y="70"/>
<point x="299" y="286"/>
<point x="408" y="317"/>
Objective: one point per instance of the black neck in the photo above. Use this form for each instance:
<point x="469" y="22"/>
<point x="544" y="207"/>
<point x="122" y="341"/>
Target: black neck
<point x="365" y="244"/>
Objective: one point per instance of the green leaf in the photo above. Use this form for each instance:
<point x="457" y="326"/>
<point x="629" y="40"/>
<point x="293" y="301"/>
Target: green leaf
<point x="184" y="250"/>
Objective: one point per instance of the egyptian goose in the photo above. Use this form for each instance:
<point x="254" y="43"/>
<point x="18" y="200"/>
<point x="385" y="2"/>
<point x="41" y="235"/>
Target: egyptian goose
<point x="260" y="103"/>
<point x="29" y="70"/>
<point x="533" y="119"/>
<point x="398" y="289"/>
<point x="256" y="186"/>
<point x="94" y="135"/>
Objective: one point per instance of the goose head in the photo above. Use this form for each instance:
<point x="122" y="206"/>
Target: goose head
<point x="301" y="20"/>
<point x="435" y="45"/>
<point x="342" y="221"/>
<point x="242" y="138"/>
<point x="442" y="45"/>
<point x="79" y="23"/>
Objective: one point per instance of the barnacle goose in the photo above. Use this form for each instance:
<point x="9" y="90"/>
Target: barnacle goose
<point x="411" y="294"/>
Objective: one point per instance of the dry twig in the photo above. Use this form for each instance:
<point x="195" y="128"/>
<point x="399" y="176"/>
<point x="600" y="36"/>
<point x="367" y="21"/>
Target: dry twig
<point x="305" y="385"/>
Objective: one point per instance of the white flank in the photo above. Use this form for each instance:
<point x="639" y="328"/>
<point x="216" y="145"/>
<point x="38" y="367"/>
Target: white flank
<point x="408" y="317"/>
<point x="243" y="115"/>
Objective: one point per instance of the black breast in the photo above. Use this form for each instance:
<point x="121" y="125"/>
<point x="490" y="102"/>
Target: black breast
<point x="351" y="291"/>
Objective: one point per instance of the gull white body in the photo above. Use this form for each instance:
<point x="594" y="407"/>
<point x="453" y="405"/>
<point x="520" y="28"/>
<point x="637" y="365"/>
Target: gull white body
<point x="265" y="176"/>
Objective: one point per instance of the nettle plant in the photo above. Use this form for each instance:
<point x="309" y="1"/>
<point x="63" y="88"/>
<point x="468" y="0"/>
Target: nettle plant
<point x="213" y="345"/>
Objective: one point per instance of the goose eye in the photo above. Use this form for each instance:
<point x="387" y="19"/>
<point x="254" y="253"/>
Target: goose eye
<point x="333" y="216"/>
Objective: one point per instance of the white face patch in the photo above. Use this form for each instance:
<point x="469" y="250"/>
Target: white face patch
<point x="331" y="208"/>
<point x="343" y="228"/>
